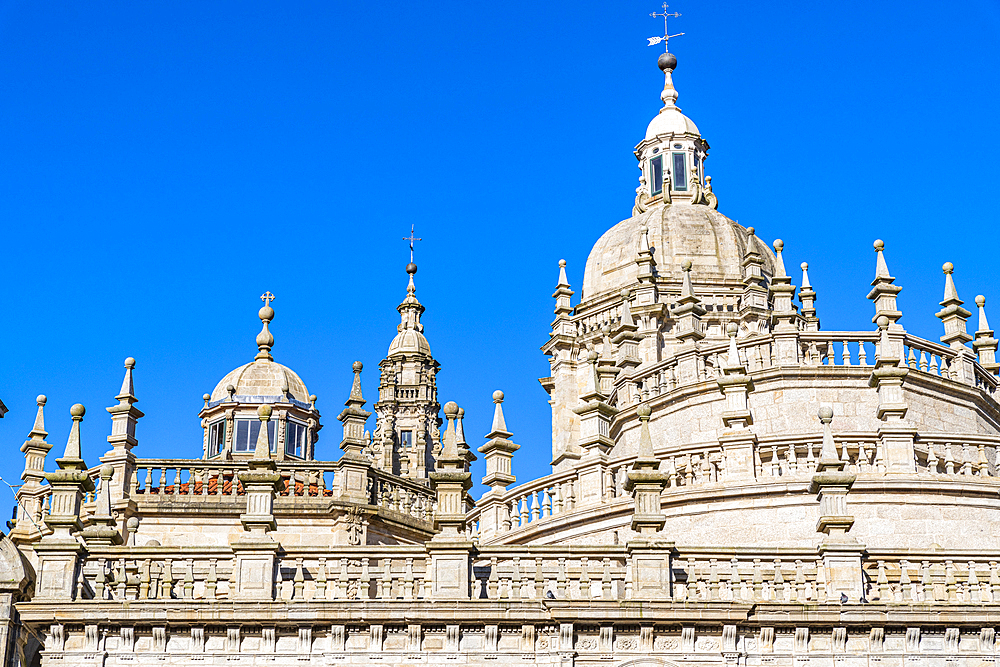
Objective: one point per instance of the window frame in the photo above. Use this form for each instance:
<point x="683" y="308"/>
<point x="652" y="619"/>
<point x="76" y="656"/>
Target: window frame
<point x="214" y="427"/>
<point x="251" y="436"/>
<point x="679" y="185"/>
<point x="655" y="185"/>
<point x="289" y="423"/>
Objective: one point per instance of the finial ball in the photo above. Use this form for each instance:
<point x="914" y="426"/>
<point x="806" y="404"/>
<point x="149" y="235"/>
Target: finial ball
<point x="667" y="61"/>
<point x="751" y="231"/>
<point x="643" y="411"/>
<point x="498" y="396"/>
<point x="804" y="266"/>
<point x="40" y="399"/>
<point x="130" y="363"/>
<point x="686" y="265"/>
<point x="778" y="245"/>
<point x="882" y="322"/>
<point x="107" y="471"/>
<point x="947" y="267"/>
<point x="312" y="398"/>
<point x="461" y="413"/>
<point x="592" y="357"/>
<point x="626" y="293"/>
<point x="132" y="524"/>
<point x="230" y="389"/>
<point x="206" y="397"/>
<point x="562" y="263"/>
<point x="451" y="408"/>
<point x="264" y="412"/>
<point x="411" y="268"/>
<point x="879" y="245"/>
<point x="266" y="313"/>
<point x="77" y="410"/>
<point x="825" y="413"/>
<point x="357" y="366"/>
<point x="731" y="328"/>
<point x="980" y="301"/>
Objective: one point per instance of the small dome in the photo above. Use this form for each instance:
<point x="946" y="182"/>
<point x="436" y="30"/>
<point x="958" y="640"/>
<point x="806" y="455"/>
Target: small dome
<point x="409" y="341"/>
<point x="713" y="243"/>
<point x="671" y="121"/>
<point x="262" y="381"/>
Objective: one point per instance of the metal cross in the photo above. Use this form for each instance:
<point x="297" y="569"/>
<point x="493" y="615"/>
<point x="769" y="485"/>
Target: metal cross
<point x="666" y="35"/>
<point x="267" y="298"/>
<point x="411" y="238"/>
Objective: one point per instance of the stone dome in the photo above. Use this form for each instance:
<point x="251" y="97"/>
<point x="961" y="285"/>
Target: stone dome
<point x="263" y="379"/>
<point x="409" y="341"/>
<point x="670" y="120"/>
<point x="713" y="243"/>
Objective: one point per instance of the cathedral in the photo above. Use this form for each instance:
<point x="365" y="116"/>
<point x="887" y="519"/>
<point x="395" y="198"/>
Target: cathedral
<point x="731" y="484"/>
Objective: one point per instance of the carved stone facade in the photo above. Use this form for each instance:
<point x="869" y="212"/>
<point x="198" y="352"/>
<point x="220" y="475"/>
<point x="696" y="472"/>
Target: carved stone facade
<point x="731" y="485"/>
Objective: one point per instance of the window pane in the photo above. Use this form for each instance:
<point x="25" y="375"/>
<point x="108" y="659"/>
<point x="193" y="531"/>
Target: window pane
<point x="242" y="436"/>
<point x="680" y="172"/>
<point x="270" y="435"/>
<point x="406" y="438"/>
<point x="254" y="432"/>
<point x="293" y="439"/>
<point x="656" y="175"/>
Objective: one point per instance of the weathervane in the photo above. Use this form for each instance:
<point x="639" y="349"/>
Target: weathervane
<point x="653" y="41"/>
<point x="411" y="238"/>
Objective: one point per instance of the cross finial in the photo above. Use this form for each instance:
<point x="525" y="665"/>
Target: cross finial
<point x="267" y="298"/>
<point x="666" y="35"/>
<point x="411" y="238"/>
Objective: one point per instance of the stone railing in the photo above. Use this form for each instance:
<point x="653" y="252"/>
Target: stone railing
<point x="906" y="577"/>
<point x="401" y="495"/>
<point x="838" y="348"/>
<point x="166" y="479"/>
<point x="704" y="575"/>
<point x="534" y="572"/>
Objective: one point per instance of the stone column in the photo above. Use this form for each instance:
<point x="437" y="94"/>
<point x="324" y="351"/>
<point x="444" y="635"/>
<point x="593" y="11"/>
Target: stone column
<point x="257" y="552"/>
<point x="353" y="466"/>
<point x="60" y="555"/>
<point x="840" y="552"/>
<point x="450" y="549"/>
<point x="497" y="453"/>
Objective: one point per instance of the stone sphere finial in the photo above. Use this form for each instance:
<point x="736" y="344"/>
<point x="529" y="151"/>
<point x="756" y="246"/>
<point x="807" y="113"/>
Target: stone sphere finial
<point x="312" y="398"/>
<point x="667" y="61"/>
<point x="751" y="231"/>
<point x="562" y="263"/>
<point x="132" y="524"/>
<point x="357" y="366"/>
<point x="498" y="396"/>
<point x="206" y="397"/>
<point x="230" y="389"/>
<point x="461" y="412"/>
<point x="731" y="329"/>
<point x="411" y="268"/>
<point x="626" y="293"/>
<point x="980" y="301"/>
<point x="130" y="363"/>
<point x="826" y="414"/>
<point x="451" y="409"/>
<point x="264" y="413"/>
<point x="879" y="245"/>
<point x="266" y="313"/>
<point x="77" y="411"/>
<point x="882" y="322"/>
<point x="804" y="266"/>
<point x="778" y="245"/>
<point x="107" y="471"/>
<point x="592" y="356"/>
<point x="947" y="267"/>
<point x="40" y="400"/>
<point x="643" y="411"/>
<point x="606" y="329"/>
<point x="686" y="265"/>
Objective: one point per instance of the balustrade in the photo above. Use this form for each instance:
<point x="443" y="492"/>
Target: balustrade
<point x="597" y="574"/>
<point x="895" y="578"/>
<point x="796" y="577"/>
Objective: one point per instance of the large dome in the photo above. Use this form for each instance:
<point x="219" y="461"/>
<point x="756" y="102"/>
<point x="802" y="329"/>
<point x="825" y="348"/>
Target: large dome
<point x="262" y="381"/>
<point x="713" y="243"/>
<point x="409" y="341"/>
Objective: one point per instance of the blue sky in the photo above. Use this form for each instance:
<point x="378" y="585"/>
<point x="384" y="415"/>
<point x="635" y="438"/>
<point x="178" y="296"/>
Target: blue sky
<point x="164" y="163"/>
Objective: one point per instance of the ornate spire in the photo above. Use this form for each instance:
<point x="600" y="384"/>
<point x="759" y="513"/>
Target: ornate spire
<point x="952" y="314"/>
<point x="985" y="344"/>
<point x="807" y="295"/>
<point x="828" y="459"/>
<point x="883" y="292"/>
<point x="125" y="415"/>
<point x="262" y="450"/>
<point x="498" y="450"/>
<point x="410" y="309"/>
<point x="71" y="458"/>
<point x="265" y="341"/>
<point x="499" y="428"/>
<point x="689" y="310"/>
<point x="38" y="432"/>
